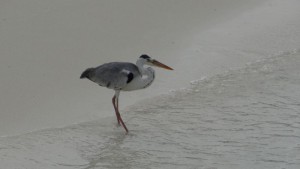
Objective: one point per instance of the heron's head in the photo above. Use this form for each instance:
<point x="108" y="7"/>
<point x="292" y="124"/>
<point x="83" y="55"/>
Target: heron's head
<point x="147" y="60"/>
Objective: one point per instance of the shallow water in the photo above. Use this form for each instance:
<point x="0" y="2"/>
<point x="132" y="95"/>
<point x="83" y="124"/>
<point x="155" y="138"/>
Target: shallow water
<point x="245" y="118"/>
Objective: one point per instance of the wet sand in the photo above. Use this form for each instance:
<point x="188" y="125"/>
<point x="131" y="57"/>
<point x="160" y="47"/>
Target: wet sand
<point x="231" y="102"/>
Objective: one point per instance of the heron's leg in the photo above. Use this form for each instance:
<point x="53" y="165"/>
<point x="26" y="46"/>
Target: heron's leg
<point x="116" y="108"/>
<point x="120" y="120"/>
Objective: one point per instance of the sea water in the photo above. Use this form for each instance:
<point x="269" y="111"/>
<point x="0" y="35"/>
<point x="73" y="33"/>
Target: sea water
<point x="243" y="118"/>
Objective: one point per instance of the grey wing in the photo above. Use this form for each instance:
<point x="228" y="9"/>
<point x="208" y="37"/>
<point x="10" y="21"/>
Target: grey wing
<point x="115" y="75"/>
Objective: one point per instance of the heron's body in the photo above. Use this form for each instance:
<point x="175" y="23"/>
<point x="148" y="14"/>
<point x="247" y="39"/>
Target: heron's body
<point x="124" y="76"/>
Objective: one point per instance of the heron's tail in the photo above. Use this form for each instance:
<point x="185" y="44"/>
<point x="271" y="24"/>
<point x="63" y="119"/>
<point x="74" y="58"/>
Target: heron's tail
<point x="87" y="73"/>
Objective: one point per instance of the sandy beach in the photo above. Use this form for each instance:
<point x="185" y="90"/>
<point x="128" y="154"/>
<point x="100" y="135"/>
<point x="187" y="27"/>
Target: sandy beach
<point x="242" y="52"/>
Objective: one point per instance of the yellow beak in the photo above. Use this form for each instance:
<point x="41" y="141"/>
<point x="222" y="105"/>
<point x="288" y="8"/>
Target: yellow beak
<point x="161" y="65"/>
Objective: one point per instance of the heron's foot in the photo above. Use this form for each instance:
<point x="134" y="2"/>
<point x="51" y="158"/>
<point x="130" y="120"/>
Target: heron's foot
<point x="118" y="124"/>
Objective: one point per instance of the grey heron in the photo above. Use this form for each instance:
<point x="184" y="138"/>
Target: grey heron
<point x="124" y="76"/>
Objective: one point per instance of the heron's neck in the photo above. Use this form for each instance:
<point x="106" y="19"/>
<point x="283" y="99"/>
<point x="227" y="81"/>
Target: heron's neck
<point x="140" y="64"/>
<point x="147" y="74"/>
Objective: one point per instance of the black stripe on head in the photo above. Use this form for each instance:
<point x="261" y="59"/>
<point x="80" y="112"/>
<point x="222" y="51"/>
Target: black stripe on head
<point x="144" y="56"/>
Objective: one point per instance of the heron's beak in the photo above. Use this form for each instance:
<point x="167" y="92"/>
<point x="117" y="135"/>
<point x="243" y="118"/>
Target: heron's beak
<point x="161" y="65"/>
